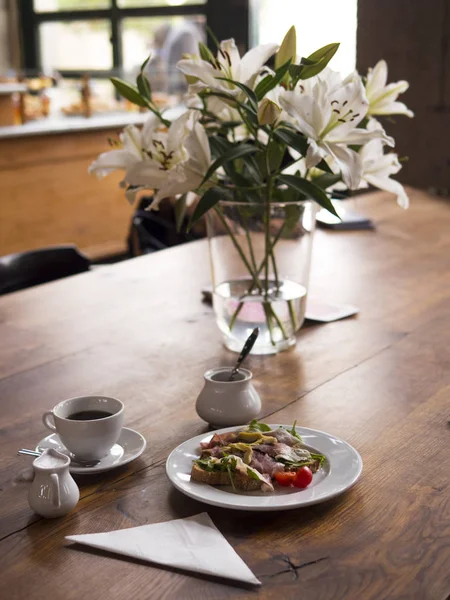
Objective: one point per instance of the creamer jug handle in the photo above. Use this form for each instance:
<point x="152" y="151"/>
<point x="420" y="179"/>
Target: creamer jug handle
<point x="54" y="483"/>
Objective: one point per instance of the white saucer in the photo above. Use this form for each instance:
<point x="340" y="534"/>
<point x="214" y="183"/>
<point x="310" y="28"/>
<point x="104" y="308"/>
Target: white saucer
<point x="129" y="446"/>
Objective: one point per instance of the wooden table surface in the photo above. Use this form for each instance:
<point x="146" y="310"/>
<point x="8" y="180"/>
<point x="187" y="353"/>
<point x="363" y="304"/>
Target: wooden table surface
<point x="139" y="331"/>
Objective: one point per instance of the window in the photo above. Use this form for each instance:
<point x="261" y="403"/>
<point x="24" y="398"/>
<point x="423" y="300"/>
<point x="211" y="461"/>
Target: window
<point x="317" y="23"/>
<point x="105" y="37"/>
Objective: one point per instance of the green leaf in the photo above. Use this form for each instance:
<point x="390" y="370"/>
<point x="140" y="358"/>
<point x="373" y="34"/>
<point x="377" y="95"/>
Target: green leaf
<point x="129" y="92"/>
<point x="180" y="211"/>
<point x="295" y="140"/>
<point x="320" y="457"/>
<point x="205" y="53"/>
<point x="294" y="432"/>
<point x="288" y="48"/>
<point x="312" y="191"/>
<point x="257" y="426"/>
<point x="207" y="201"/>
<point x="321" y="57"/>
<point x="271" y="81"/>
<point x="143" y="85"/>
<point x="295" y="71"/>
<point x="324" y="52"/>
<point x="233" y="153"/>
<point x="307" y="61"/>
<point x="247" y="91"/>
<point x="219" y="145"/>
<point x="251" y="166"/>
<point x="298" y="142"/>
<point x="327" y="179"/>
<point x="145" y="63"/>
<point x="275" y="153"/>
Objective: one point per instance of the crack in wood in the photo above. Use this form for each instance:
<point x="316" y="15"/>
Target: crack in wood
<point x="292" y="568"/>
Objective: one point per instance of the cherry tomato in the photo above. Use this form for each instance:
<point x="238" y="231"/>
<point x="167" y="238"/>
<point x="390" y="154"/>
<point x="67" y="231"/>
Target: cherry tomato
<point x="303" y="477"/>
<point x="285" y="478"/>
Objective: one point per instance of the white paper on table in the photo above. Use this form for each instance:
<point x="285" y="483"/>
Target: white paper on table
<point x="324" y="312"/>
<point x="192" y="544"/>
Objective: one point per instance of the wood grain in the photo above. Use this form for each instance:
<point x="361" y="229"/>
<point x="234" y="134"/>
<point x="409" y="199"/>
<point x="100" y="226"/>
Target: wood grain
<point x="49" y="198"/>
<point x="138" y="330"/>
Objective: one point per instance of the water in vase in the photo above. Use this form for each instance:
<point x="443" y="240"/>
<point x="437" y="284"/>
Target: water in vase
<point x="278" y="313"/>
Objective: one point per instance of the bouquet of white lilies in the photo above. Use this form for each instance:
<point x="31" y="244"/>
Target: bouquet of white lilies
<point x="258" y="134"/>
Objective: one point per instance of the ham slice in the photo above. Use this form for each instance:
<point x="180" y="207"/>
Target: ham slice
<point x="283" y="436"/>
<point x="265" y="464"/>
<point x="219" y="440"/>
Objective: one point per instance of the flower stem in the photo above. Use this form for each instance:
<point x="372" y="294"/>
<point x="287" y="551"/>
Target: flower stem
<point x="267" y="246"/>
<point x="249" y="242"/>
<point x="279" y="323"/>
<point x="292" y="315"/>
<point x="238" y="248"/>
<point x="235" y="315"/>
<point x="275" y="270"/>
<point x="267" y="309"/>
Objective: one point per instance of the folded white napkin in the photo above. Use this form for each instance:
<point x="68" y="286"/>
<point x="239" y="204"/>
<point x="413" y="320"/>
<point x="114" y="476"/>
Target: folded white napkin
<point x="193" y="544"/>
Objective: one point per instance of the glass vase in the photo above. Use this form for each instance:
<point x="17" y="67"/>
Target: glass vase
<point x="260" y="262"/>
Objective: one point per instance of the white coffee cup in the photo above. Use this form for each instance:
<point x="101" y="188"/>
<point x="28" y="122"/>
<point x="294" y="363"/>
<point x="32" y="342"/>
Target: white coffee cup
<point x="89" y="439"/>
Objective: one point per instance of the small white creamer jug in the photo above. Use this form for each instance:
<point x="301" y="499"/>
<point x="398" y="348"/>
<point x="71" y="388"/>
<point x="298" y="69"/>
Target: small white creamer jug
<point x="223" y="403"/>
<point x="53" y="492"/>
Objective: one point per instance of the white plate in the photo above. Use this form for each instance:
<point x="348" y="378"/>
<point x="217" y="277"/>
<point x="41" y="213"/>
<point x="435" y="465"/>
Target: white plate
<point x="130" y="445"/>
<point x="340" y="471"/>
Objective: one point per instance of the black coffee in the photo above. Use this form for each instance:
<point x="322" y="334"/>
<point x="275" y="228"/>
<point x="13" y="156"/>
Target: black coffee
<point x="89" y="415"/>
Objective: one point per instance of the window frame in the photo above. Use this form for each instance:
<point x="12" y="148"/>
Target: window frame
<point x="216" y="13"/>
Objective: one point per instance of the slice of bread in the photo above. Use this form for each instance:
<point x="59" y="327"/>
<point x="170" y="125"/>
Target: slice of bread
<point x="241" y="482"/>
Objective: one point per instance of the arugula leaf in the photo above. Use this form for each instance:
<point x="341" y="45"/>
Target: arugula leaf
<point x="253" y="475"/>
<point x="320" y="457"/>
<point x="294" y="432"/>
<point x="304" y="462"/>
<point x="256" y="426"/>
<point x="204" y="464"/>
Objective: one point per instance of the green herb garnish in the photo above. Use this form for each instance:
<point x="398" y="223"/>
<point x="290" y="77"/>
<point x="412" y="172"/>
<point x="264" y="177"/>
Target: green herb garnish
<point x="257" y="426"/>
<point x="294" y="432"/>
<point x="319" y="457"/>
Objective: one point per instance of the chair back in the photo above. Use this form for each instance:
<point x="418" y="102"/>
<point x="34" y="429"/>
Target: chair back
<point x="25" y="269"/>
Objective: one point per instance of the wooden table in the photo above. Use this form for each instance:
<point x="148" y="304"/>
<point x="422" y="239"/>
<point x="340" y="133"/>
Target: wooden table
<point x="139" y="331"/>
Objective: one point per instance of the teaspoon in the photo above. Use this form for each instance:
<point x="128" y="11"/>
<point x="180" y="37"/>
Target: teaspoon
<point x="245" y="351"/>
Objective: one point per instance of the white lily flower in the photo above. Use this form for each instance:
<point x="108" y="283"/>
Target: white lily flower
<point x="176" y="161"/>
<point x="128" y="153"/>
<point x="383" y="98"/>
<point x="329" y="121"/>
<point x="378" y="168"/>
<point x="172" y="161"/>
<point x="228" y="64"/>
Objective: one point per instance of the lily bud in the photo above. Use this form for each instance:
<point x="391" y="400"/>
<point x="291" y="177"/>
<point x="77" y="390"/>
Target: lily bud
<point x="288" y="49"/>
<point x="268" y="112"/>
